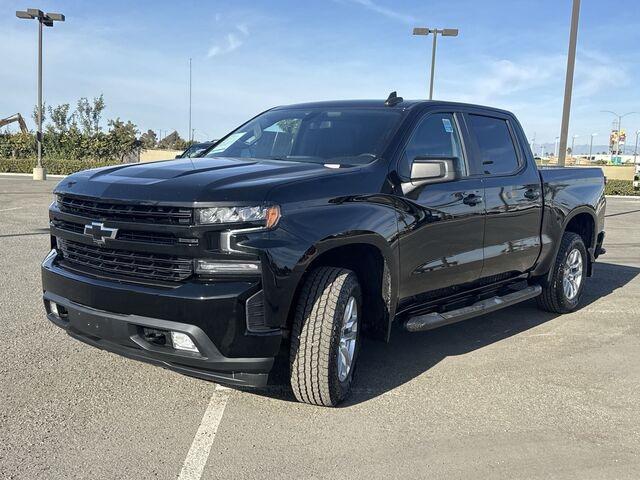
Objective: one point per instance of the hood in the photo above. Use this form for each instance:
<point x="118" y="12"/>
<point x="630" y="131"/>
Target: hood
<point x="191" y="180"/>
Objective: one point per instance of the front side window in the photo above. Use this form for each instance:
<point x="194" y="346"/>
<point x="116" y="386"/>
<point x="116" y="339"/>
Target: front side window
<point x="497" y="152"/>
<point x="343" y="136"/>
<point x="435" y="136"/>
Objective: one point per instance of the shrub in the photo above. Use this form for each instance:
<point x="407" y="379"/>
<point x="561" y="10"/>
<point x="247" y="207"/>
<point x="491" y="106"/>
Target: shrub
<point x="54" y="167"/>
<point x="73" y="137"/>
<point x="620" y="187"/>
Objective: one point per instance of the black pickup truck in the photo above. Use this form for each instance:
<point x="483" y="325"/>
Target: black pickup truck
<point x="311" y="225"/>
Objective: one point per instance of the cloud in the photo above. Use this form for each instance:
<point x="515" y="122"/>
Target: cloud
<point x="500" y="78"/>
<point x="232" y="41"/>
<point x="387" y="12"/>
<point x="539" y="75"/>
<point x="596" y="73"/>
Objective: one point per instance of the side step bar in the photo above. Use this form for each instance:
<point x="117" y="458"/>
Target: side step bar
<point x="433" y="320"/>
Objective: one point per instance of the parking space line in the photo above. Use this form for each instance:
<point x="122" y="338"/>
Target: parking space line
<point x="201" y="446"/>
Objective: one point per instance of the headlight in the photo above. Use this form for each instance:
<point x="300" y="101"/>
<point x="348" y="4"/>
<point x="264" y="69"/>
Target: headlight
<point x="267" y="216"/>
<point x="57" y="199"/>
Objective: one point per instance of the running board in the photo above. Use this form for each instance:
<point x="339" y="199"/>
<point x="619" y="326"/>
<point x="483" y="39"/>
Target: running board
<point x="433" y="320"/>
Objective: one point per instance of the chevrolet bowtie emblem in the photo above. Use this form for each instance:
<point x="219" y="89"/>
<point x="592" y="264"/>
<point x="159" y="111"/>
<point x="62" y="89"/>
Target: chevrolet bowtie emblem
<point x="99" y="233"/>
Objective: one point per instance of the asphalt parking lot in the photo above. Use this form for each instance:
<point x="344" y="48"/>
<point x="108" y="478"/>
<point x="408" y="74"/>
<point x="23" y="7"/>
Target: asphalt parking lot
<point x="516" y="394"/>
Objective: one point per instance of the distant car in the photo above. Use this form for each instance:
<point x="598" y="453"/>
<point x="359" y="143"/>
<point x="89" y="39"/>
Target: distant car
<point x="195" y="150"/>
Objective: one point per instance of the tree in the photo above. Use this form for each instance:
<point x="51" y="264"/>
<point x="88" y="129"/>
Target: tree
<point x="149" y="139"/>
<point x="61" y="121"/>
<point x="34" y="114"/>
<point x="89" y="114"/>
<point x="172" y="141"/>
<point x="122" y="138"/>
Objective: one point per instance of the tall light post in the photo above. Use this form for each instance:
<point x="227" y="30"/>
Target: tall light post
<point x="555" y="147"/>
<point x="635" y="150"/>
<point x="568" y="85"/>
<point x="591" y="145"/>
<point x="573" y="144"/>
<point x="47" y="20"/>
<point x="190" y="131"/>
<point x="619" y="118"/>
<point x="445" y="32"/>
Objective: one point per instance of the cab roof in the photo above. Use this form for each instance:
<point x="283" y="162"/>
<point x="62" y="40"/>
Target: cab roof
<point x="380" y="103"/>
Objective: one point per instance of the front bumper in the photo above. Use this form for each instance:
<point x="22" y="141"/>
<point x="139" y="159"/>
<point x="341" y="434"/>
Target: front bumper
<point x="111" y="315"/>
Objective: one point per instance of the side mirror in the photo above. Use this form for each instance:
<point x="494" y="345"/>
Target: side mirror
<point x="432" y="170"/>
<point x="179" y="155"/>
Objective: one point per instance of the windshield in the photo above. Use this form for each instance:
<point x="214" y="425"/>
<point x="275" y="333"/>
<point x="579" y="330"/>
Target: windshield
<point x="195" y="150"/>
<point x="347" y="136"/>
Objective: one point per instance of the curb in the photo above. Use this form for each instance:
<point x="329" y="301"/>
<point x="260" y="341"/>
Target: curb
<point x="2" y="174"/>
<point x="630" y="197"/>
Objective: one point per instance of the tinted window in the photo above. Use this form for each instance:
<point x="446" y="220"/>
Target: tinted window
<point x="435" y="136"/>
<point x="497" y="152"/>
<point x="347" y="136"/>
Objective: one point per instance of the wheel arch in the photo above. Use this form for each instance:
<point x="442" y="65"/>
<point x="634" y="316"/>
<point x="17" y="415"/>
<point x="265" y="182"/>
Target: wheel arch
<point x="375" y="265"/>
<point x="582" y="221"/>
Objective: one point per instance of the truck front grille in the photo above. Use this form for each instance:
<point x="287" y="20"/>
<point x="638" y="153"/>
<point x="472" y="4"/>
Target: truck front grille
<point x="105" y="210"/>
<point x="123" y="262"/>
<point x="142" y="236"/>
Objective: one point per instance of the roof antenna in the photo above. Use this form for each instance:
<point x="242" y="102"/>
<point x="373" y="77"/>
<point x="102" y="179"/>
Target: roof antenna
<point x="393" y="99"/>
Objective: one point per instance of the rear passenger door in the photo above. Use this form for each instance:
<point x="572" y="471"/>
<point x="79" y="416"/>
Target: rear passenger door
<point x="512" y="194"/>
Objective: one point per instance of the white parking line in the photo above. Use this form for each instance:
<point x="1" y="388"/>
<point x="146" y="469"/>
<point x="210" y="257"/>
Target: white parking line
<point x="201" y="446"/>
<point x="10" y="209"/>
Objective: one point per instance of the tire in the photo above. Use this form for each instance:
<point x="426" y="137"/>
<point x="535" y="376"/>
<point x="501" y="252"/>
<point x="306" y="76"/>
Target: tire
<point x="316" y="376"/>
<point x="554" y="297"/>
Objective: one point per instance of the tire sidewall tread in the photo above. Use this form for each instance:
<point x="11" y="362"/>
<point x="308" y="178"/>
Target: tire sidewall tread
<point x="315" y="336"/>
<point x="553" y="298"/>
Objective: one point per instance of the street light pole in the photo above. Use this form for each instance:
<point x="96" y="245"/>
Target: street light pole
<point x="635" y="151"/>
<point x="568" y="86"/>
<point x="445" y="32"/>
<point x="39" y="134"/>
<point x="591" y="145"/>
<point x="47" y="20"/>
<point x="573" y="143"/>
<point x="190" y="133"/>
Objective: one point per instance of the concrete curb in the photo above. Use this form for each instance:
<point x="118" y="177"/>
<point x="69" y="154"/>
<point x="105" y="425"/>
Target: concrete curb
<point x="630" y="197"/>
<point x="3" y="174"/>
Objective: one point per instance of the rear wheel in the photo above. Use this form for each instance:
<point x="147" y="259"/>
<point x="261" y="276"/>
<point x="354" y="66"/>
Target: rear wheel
<point x="564" y="291"/>
<point x="325" y="336"/>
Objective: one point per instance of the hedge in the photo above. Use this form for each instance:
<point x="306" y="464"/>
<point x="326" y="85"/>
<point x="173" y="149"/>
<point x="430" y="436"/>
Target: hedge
<point x="620" y="187"/>
<point x="54" y="167"/>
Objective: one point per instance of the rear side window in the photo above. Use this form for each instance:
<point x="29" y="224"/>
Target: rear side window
<point x="497" y="152"/>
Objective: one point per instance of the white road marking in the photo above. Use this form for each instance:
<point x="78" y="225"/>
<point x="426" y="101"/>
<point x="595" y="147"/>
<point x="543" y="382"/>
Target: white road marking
<point x="201" y="446"/>
<point x="10" y="209"/>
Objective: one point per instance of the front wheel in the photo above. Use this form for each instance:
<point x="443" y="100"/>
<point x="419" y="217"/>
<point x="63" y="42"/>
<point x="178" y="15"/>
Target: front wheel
<point x="563" y="293"/>
<point x="325" y="336"/>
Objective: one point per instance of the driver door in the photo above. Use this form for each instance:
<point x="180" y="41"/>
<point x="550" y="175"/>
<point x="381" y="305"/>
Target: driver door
<point x="442" y="232"/>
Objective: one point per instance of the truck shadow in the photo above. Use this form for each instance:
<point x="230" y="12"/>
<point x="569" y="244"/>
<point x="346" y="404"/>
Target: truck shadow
<point x="383" y="367"/>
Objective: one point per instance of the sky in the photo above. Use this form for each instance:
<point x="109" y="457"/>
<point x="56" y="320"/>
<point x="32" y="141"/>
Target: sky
<point x="248" y="56"/>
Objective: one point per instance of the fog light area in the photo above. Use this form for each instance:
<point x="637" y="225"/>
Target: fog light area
<point x="182" y="341"/>
<point x="57" y="311"/>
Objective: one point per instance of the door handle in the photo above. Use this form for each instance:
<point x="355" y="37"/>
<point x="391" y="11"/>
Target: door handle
<point x="472" y="199"/>
<point x="532" y="193"/>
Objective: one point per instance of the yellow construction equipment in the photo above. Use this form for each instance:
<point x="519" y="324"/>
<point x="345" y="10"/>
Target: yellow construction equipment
<point x="15" y="118"/>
